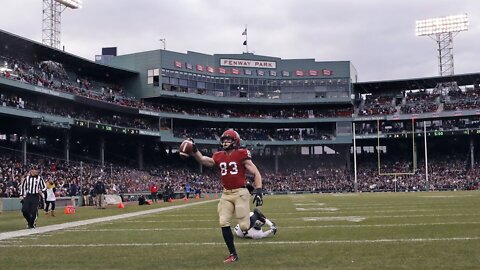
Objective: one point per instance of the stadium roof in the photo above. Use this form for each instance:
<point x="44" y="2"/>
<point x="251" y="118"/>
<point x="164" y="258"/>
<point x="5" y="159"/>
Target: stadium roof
<point x="413" y="84"/>
<point x="44" y="53"/>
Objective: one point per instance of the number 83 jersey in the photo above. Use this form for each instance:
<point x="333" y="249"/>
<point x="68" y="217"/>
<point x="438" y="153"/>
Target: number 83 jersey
<point x="231" y="168"/>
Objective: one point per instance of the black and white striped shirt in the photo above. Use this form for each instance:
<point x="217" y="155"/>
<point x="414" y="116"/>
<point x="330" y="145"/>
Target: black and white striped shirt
<point x="32" y="185"/>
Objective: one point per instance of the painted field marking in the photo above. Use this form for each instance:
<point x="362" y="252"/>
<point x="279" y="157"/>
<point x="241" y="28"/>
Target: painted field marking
<point x="350" y="218"/>
<point x="382" y="225"/>
<point x="343" y="194"/>
<point x="246" y="243"/>
<point x="56" y="227"/>
<point x="170" y="221"/>
<point x="444" y="196"/>
<point x="282" y="227"/>
<point x="276" y="217"/>
<point x="327" y="209"/>
<point x="311" y="204"/>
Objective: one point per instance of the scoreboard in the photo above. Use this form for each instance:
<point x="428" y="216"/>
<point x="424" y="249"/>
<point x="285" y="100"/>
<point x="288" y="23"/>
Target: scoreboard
<point x="106" y="127"/>
<point x="438" y="133"/>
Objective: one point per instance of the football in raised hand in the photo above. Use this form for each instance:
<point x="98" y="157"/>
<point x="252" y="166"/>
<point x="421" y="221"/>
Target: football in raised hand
<point x="185" y="149"/>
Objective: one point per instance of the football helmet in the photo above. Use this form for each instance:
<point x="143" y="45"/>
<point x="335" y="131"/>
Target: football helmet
<point x="233" y="135"/>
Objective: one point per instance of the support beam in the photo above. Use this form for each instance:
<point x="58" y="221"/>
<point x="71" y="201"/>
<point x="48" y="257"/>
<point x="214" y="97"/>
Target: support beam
<point x="102" y="150"/>
<point x="140" y="156"/>
<point x="67" y="147"/>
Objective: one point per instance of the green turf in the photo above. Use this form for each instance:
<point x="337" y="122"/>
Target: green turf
<point x="439" y="230"/>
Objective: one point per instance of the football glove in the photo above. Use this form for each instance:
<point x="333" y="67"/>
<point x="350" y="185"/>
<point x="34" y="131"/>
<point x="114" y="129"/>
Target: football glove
<point x="258" y="198"/>
<point x="250" y="188"/>
<point x="194" y="146"/>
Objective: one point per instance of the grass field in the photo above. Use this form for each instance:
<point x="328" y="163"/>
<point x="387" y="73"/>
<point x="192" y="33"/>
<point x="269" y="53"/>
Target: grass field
<point x="436" y="230"/>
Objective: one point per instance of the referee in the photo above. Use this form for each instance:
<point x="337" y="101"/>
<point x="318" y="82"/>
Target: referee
<point x="30" y="192"/>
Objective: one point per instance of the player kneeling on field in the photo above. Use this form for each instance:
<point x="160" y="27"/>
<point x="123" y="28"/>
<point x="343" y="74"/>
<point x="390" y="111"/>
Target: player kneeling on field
<point x="255" y="231"/>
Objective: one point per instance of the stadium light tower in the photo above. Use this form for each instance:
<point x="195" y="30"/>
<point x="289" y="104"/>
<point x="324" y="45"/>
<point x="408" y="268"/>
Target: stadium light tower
<point x="51" y="21"/>
<point x="442" y="30"/>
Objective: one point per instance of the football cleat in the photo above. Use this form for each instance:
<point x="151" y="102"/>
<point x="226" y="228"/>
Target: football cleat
<point x="231" y="258"/>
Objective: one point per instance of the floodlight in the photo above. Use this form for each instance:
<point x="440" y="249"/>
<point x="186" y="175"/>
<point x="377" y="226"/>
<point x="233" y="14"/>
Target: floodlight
<point x="442" y="30"/>
<point x="442" y="25"/>
<point x="73" y="4"/>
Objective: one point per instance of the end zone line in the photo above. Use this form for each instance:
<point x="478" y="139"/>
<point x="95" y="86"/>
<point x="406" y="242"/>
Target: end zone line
<point x="56" y="227"/>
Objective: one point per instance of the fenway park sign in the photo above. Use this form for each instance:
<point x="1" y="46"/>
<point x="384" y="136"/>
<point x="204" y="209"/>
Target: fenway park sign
<point x="247" y="63"/>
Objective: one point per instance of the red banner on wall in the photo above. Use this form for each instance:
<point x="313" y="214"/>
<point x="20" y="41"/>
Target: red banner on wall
<point x="312" y="72"/>
<point x="327" y="72"/>
<point x="299" y="73"/>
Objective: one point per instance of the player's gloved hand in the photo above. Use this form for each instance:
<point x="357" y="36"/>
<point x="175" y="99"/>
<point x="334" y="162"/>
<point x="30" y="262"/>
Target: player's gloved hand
<point x="194" y="146"/>
<point x="250" y="187"/>
<point x="258" y="198"/>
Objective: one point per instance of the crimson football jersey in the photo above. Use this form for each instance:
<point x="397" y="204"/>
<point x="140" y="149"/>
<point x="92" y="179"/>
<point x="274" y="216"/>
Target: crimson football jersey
<point x="231" y="168"/>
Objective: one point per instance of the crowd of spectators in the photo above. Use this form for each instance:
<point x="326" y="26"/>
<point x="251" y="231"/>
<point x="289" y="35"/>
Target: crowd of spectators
<point x="257" y="134"/>
<point x="419" y="107"/>
<point x="420" y="102"/>
<point x="377" y="105"/>
<point x="443" y="175"/>
<point x="107" y="117"/>
<point x="77" y="112"/>
<point x="365" y="128"/>
<point x="53" y="75"/>
<point x="122" y="179"/>
<point x="118" y="179"/>
<point x="242" y="112"/>
<point x="462" y="100"/>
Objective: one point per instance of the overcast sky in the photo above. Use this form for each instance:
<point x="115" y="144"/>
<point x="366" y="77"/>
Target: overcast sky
<point x="377" y="36"/>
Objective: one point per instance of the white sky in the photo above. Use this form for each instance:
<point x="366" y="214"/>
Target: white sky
<point x="378" y="36"/>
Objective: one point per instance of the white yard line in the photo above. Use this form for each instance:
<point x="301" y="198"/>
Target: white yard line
<point x="320" y="209"/>
<point x="171" y="221"/>
<point x="310" y="204"/>
<point x="281" y="227"/>
<point x="56" y="227"/>
<point x="314" y="242"/>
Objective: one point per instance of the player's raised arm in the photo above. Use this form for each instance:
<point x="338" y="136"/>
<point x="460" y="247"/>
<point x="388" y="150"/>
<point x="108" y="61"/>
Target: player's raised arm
<point x="188" y="148"/>
<point x="204" y="160"/>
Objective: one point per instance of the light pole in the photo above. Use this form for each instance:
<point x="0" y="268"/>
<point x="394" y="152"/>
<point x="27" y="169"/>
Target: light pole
<point x="51" y="19"/>
<point x="442" y="30"/>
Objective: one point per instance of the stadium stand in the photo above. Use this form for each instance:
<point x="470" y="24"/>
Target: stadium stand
<point x="57" y="110"/>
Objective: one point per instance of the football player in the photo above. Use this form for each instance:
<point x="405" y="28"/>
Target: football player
<point x="257" y="220"/>
<point x="232" y="162"/>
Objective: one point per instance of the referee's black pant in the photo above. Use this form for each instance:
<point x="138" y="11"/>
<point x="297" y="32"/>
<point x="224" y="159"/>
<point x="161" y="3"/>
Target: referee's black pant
<point x="30" y="209"/>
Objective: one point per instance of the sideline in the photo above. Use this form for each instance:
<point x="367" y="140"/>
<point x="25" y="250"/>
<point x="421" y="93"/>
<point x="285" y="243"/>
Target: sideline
<point x="56" y="227"/>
